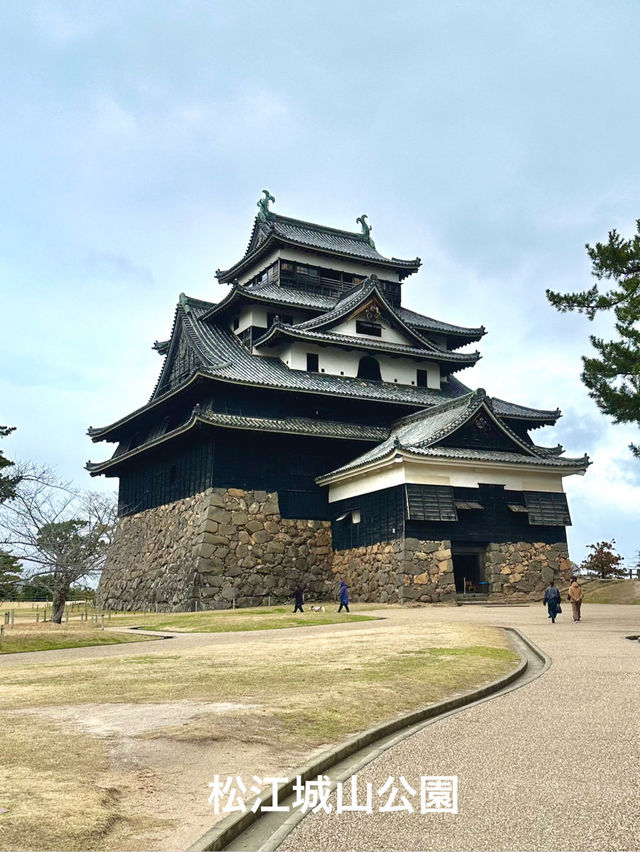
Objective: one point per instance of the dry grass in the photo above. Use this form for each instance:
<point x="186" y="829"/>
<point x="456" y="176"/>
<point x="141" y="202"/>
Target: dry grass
<point x="296" y="696"/>
<point x="48" y="637"/>
<point x="211" y="621"/>
<point x="612" y="592"/>
<point x="48" y="784"/>
<point x="224" y="621"/>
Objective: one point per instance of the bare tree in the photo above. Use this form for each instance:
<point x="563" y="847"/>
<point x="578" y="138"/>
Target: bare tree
<point x="60" y="534"/>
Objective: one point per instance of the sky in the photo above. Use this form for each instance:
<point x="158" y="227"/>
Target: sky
<point x="493" y="139"/>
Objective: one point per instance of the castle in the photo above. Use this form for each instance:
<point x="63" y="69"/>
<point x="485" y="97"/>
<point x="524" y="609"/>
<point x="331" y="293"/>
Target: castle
<point x="309" y="426"/>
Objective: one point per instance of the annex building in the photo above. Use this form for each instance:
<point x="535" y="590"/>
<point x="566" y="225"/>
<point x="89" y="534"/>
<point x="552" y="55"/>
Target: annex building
<point x="309" y="426"/>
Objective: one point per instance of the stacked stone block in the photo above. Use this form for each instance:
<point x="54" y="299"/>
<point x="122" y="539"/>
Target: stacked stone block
<point x="231" y="547"/>
<point x="522" y="570"/>
<point x="221" y="548"/>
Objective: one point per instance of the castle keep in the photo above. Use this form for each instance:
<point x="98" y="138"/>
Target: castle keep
<point x="309" y="426"/>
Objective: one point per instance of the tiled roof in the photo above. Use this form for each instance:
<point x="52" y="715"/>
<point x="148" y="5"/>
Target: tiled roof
<point x="360" y="295"/>
<point x="345" y="305"/>
<point x="429" y="324"/>
<point x="282" y="229"/>
<point x="276" y="294"/>
<point x="223" y="357"/>
<point x="273" y="294"/>
<point x="282" y="425"/>
<point x="502" y="456"/>
<point x="298" y="426"/>
<point x="419" y="434"/>
<point x="522" y="412"/>
<point x="297" y="332"/>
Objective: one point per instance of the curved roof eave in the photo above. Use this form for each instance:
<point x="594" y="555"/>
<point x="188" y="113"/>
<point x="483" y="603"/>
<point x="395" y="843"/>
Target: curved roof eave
<point x="224" y="421"/>
<point x="280" y="329"/>
<point x="403" y="267"/>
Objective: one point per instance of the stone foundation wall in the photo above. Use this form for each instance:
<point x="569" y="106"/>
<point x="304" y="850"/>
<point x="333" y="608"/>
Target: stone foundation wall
<point x="227" y="546"/>
<point x="428" y="572"/>
<point x="403" y="571"/>
<point x="207" y="551"/>
<point x="521" y="570"/>
<point x="371" y="573"/>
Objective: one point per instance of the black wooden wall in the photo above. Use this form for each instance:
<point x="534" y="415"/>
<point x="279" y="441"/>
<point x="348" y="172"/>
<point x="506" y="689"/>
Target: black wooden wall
<point x="225" y="458"/>
<point x="383" y="517"/>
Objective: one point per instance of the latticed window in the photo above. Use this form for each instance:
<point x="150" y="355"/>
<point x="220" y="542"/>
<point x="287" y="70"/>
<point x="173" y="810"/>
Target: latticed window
<point x="547" y="508"/>
<point x="431" y="503"/>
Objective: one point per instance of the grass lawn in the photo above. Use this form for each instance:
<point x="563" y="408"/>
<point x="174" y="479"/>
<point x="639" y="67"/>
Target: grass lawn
<point x="50" y="637"/>
<point x="263" y="703"/>
<point x="222" y="621"/>
<point x="612" y="592"/>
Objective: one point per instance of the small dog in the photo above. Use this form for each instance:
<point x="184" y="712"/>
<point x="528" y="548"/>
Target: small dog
<point x="317" y="609"/>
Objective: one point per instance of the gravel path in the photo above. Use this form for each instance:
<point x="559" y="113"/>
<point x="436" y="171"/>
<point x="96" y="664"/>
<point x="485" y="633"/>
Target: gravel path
<point x="552" y="766"/>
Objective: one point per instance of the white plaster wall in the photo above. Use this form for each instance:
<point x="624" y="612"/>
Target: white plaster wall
<point x="257" y="315"/>
<point x="251" y="315"/>
<point x="259" y="267"/>
<point x="460" y="475"/>
<point x="339" y="362"/>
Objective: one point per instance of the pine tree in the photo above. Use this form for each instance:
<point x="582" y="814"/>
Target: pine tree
<point x="613" y="376"/>
<point x="7" y="483"/>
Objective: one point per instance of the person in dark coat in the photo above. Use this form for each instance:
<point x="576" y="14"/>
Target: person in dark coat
<point x="552" y="600"/>
<point x="299" y="598"/>
<point x="344" y="596"/>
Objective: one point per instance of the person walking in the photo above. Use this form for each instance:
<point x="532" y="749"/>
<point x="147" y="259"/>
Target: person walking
<point x="299" y="598"/>
<point x="575" y="597"/>
<point x="344" y="596"/>
<point x="552" y="600"/>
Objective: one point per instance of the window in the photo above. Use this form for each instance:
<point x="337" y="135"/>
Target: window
<point x="371" y="328"/>
<point x="285" y="266"/>
<point x="368" y="368"/>
<point x="431" y="503"/>
<point x="547" y="509"/>
<point x="312" y="362"/>
<point x="421" y="377"/>
<point x="287" y="319"/>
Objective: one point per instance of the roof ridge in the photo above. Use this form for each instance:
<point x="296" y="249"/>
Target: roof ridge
<point x="438" y="408"/>
<point x="316" y="226"/>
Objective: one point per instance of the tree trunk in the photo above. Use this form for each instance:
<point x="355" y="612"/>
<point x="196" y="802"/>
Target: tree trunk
<point x="57" y="605"/>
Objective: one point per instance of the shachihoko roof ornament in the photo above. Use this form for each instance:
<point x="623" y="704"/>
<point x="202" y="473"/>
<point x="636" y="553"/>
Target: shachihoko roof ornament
<point x="263" y="204"/>
<point x="366" y="229"/>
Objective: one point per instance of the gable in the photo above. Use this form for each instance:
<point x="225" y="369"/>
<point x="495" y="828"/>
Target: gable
<point x="180" y="362"/>
<point x="480" y="432"/>
<point x="372" y="321"/>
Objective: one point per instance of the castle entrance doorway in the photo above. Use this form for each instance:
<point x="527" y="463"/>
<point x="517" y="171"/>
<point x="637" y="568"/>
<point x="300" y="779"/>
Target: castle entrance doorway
<point x="468" y="569"/>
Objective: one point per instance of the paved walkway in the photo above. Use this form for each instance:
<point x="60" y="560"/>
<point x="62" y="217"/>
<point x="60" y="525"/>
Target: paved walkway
<point x="552" y="766"/>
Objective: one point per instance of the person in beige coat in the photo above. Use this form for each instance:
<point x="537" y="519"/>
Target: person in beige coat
<point x="575" y="597"/>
